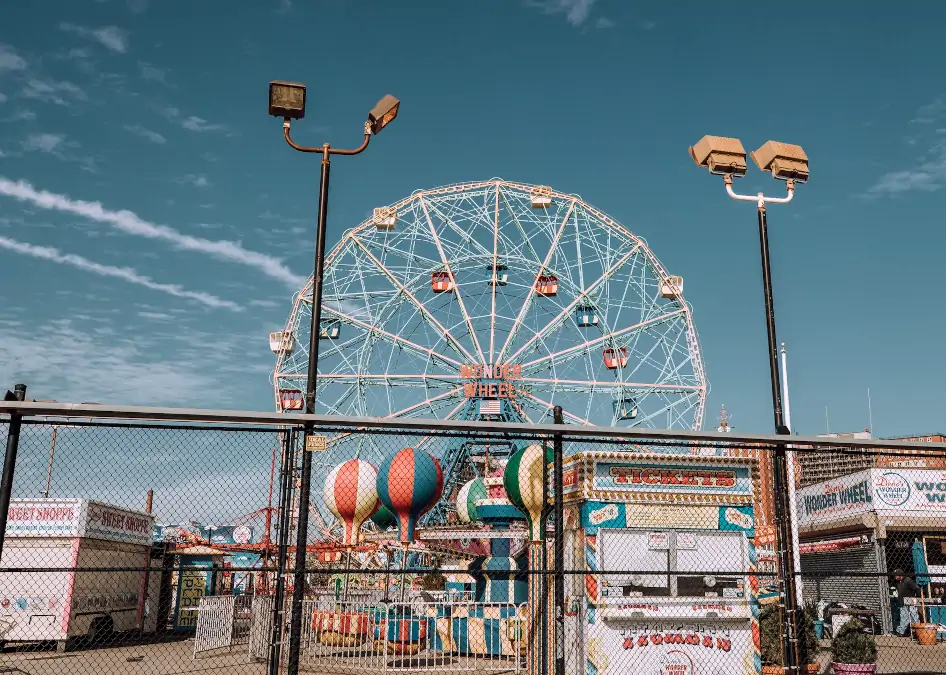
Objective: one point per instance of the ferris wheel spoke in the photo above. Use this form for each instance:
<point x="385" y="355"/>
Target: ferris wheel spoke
<point x="405" y="412"/>
<point x="463" y="234"/>
<point x="545" y="406"/>
<point x="519" y="409"/>
<point x="396" y="339"/>
<point x="589" y="385"/>
<point x="456" y="286"/>
<point x="543" y="332"/>
<point x="603" y="339"/>
<point x="417" y="303"/>
<point x="531" y="293"/>
<point x="391" y="379"/>
<point x="494" y="284"/>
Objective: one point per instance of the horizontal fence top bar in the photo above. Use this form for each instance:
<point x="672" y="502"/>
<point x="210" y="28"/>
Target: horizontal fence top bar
<point x="281" y="421"/>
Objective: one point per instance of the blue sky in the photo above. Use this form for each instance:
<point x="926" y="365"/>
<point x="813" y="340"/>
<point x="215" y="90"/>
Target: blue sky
<point x="153" y="224"/>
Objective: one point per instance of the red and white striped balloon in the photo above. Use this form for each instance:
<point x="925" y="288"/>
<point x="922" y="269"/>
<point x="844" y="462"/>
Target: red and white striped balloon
<point x="351" y="495"/>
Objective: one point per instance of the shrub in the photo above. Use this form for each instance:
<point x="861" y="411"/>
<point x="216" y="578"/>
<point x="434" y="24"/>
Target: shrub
<point x="853" y="645"/>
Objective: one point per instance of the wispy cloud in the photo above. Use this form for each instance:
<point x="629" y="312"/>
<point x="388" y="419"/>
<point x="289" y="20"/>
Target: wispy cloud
<point x="137" y="6"/>
<point x="146" y="133"/>
<point x="3" y="98"/>
<point x="192" y="122"/>
<point x="124" y="273"/>
<point x="48" y="143"/>
<point x="929" y="172"/>
<point x="576" y="12"/>
<point x="112" y="38"/>
<point x="62" y="361"/>
<point x="156" y="316"/>
<point x="152" y="73"/>
<point x="284" y="6"/>
<point x="195" y="179"/>
<point x="50" y="91"/>
<point x="20" y="116"/>
<point x="130" y="223"/>
<point x="10" y="60"/>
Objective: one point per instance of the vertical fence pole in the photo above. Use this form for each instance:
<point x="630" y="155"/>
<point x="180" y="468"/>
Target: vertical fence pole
<point x="9" y="461"/>
<point x="559" y="517"/>
<point x="282" y="551"/>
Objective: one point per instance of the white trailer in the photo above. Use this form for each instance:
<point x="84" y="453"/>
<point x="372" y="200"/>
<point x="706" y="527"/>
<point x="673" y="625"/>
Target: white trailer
<point x="54" y="591"/>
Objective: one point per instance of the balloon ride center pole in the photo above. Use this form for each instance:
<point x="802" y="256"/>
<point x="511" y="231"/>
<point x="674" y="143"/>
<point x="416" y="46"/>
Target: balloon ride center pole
<point x="387" y="575"/>
<point x="347" y="573"/>
<point x="404" y="572"/>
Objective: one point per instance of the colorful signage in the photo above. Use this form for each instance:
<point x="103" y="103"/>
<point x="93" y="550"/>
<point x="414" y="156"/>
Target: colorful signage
<point x="671" y="648"/>
<point x="77" y="518"/>
<point x="492" y="380"/>
<point x="895" y="491"/>
<point x="595" y="515"/>
<point x="709" y="479"/>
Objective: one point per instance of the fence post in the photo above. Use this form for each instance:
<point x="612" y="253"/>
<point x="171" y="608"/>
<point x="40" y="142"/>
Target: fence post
<point x="559" y="517"/>
<point x="282" y="555"/>
<point x="9" y="460"/>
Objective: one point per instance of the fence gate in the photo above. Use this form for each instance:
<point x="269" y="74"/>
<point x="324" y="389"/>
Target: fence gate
<point x="261" y="627"/>
<point x="214" y="623"/>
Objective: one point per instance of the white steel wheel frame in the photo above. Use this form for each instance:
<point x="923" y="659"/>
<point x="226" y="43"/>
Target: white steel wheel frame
<point x="400" y="345"/>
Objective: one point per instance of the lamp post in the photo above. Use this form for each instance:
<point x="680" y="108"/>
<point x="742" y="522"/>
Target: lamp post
<point x="727" y="157"/>
<point x="287" y="100"/>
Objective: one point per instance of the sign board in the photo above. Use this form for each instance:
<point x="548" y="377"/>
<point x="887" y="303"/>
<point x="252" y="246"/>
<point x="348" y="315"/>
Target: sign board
<point x="690" y="647"/>
<point x="72" y="518"/>
<point x="315" y="443"/>
<point x="717" y="482"/>
<point x="686" y="541"/>
<point x="658" y="541"/>
<point x="595" y="514"/>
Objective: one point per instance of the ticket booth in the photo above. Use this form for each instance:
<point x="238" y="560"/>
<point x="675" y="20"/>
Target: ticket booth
<point x="200" y="574"/>
<point x="667" y="544"/>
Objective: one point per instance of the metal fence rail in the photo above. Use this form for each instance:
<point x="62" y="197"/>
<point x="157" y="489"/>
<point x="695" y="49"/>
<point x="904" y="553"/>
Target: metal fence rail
<point x="143" y="536"/>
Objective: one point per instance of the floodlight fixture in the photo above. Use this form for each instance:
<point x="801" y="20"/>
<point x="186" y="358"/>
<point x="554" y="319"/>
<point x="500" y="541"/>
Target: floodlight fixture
<point x="721" y="155"/>
<point x="783" y="160"/>
<point x="287" y="100"/>
<point x="383" y="113"/>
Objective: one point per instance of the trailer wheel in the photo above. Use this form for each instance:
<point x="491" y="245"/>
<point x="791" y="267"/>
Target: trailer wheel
<point x="100" y="630"/>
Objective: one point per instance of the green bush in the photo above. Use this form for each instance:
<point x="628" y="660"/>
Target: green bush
<point x="852" y="645"/>
<point x="770" y="633"/>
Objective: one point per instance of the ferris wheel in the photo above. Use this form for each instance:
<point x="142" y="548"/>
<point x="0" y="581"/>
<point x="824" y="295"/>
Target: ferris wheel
<point x="496" y="300"/>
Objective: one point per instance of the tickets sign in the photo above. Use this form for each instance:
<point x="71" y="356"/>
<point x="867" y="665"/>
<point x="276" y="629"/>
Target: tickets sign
<point x="692" y="478"/>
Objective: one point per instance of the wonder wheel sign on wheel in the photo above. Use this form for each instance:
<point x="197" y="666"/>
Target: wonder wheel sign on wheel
<point x="493" y="300"/>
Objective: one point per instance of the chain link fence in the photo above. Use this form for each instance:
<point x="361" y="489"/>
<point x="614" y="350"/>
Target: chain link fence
<point x="147" y="541"/>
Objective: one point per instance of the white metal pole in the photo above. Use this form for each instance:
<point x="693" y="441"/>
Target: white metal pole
<point x="790" y="456"/>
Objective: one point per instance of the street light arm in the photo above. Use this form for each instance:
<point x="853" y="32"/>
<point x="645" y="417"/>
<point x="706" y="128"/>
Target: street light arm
<point x="760" y="199"/>
<point x="323" y="149"/>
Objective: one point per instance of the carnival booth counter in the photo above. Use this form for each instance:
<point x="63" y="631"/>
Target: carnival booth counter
<point x="666" y="539"/>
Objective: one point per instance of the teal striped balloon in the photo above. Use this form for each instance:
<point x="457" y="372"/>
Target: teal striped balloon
<point x="469" y="494"/>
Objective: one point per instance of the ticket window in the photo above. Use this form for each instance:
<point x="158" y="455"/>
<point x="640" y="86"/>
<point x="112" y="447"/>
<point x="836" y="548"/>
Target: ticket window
<point x="717" y="561"/>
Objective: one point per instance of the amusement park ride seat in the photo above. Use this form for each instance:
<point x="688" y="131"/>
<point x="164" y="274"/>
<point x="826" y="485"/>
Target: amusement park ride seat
<point x="586" y="316"/>
<point x="385" y="218"/>
<point x="290" y="399"/>
<point x="540" y="197"/>
<point x="616" y="358"/>
<point x="330" y="330"/>
<point x="502" y="275"/>
<point x="281" y="342"/>
<point x="442" y="282"/>
<point x="625" y="408"/>
<point x="546" y="284"/>
<point x="671" y="287"/>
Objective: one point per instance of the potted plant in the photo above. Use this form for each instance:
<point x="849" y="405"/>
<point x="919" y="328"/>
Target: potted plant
<point x="771" y="640"/>
<point x="853" y="650"/>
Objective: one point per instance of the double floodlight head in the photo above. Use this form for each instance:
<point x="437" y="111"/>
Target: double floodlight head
<point x="726" y="156"/>
<point x="287" y="100"/>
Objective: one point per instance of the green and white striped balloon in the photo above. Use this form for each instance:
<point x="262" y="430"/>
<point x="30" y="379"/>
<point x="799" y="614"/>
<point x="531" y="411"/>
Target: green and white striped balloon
<point x="469" y="494"/>
<point x="525" y="485"/>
